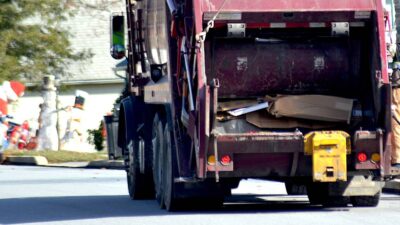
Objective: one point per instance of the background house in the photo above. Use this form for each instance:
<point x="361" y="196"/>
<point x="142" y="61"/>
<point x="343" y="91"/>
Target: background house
<point x="91" y="31"/>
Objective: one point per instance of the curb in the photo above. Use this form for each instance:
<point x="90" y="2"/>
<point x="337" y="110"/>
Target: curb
<point x="42" y="161"/>
<point x="27" y="160"/>
<point x="69" y="165"/>
<point x="108" y="164"/>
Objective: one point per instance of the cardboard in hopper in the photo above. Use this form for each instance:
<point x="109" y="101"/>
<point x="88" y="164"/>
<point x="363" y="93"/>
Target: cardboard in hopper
<point x="236" y="104"/>
<point x="264" y="120"/>
<point x="313" y="107"/>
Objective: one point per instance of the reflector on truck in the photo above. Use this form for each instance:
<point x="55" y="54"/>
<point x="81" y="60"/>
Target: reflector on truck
<point x="223" y="16"/>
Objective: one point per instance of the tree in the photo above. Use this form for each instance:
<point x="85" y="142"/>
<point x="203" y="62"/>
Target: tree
<point x="33" y="42"/>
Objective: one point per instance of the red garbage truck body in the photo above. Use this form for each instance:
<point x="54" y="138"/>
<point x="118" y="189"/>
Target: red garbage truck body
<point x="222" y="90"/>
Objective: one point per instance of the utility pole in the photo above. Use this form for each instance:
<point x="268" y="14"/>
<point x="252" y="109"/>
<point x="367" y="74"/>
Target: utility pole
<point x="48" y="132"/>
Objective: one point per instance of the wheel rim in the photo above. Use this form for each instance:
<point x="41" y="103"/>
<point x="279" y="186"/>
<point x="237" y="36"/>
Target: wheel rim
<point x="141" y="156"/>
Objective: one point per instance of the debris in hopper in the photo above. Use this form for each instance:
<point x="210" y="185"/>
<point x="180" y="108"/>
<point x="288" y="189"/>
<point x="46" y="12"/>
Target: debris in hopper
<point x="235" y="104"/>
<point x="313" y="107"/>
<point x="242" y="111"/>
<point x="264" y="120"/>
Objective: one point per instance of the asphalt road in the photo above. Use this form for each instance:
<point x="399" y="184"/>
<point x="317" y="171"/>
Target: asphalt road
<point x="42" y="195"/>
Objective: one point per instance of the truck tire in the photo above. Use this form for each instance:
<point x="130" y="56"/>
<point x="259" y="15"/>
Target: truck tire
<point x="139" y="184"/>
<point x="295" y="188"/>
<point x="318" y="194"/>
<point x="365" y="201"/>
<point x="158" y="149"/>
<point x="215" y="200"/>
<point x="170" y="171"/>
<point x="336" y="201"/>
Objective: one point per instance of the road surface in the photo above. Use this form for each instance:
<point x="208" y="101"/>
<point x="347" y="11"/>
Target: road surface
<point x="42" y="195"/>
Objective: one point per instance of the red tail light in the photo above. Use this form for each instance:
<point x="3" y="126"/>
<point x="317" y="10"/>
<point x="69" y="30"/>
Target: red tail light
<point x="226" y="160"/>
<point x="362" y="157"/>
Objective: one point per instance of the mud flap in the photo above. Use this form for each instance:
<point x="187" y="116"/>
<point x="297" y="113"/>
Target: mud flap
<point x="329" y="150"/>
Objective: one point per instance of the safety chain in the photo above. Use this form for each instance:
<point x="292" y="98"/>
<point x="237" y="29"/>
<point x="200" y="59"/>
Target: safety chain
<point x="201" y="37"/>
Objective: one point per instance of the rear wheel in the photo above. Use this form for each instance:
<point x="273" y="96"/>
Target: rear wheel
<point x="169" y="173"/>
<point x="336" y="201"/>
<point x="158" y="148"/>
<point x="365" y="201"/>
<point x="318" y="194"/>
<point x="213" y="197"/>
<point x="295" y="188"/>
<point x="139" y="184"/>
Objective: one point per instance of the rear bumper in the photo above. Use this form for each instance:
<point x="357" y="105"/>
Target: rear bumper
<point x="258" y="154"/>
<point x="271" y="154"/>
<point x="261" y="142"/>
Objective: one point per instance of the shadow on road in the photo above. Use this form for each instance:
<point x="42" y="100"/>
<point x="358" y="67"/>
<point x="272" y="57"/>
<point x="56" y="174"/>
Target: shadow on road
<point x="46" y="209"/>
<point x="51" y="209"/>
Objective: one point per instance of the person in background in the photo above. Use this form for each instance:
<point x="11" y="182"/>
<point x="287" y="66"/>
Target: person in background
<point x="395" y="79"/>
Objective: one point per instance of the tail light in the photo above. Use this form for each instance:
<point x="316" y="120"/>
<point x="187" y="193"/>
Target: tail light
<point x="376" y="157"/>
<point x="211" y="160"/>
<point x="226" y="160"/>
<point x="362" y="157"/>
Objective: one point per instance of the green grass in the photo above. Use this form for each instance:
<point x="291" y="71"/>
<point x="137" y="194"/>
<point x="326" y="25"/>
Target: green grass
<point x="60" y="156"/>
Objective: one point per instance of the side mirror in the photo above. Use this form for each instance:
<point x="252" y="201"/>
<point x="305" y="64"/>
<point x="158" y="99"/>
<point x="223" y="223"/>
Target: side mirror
<point x="117" y="45"/>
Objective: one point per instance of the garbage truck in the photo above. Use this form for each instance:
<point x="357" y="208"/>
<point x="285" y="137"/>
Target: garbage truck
<point x="295" y="91"/>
